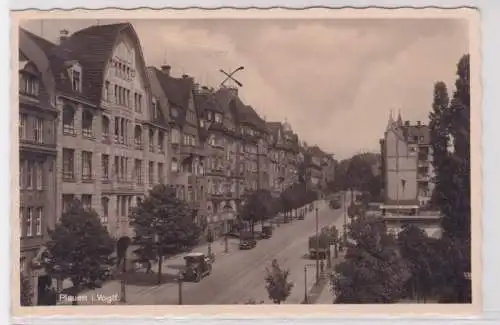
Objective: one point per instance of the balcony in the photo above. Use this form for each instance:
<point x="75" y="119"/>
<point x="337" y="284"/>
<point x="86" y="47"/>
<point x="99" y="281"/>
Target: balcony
<point x="192" y="151"/>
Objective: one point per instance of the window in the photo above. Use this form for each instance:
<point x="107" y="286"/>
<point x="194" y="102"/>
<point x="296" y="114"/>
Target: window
<point x="87" y="119"/>
<point x="116" y="167"/>
<point x="38" y="130"/>
<point x="68" y="120"/>
<point x="28" y="85"/>
<point x="38" y="221"/>
<point x="21" y="174"/>
<point x="151" y="170"/>
<point x="138" y="171"/>
<point x="39" y="176"/>
<point x="218" y="118"/>
<point x="29" y="223"/>
<point x="161" y="146"/>
<point x="30" y="176"/>
<point x="117" y="128"/>
<point x="116" y="95"/>
<point x="138" y="137"/>
<point x="105" y="127"/>
<point x="175" y="136"/>
<point x="76" y="80"/>
<point x="67" y="199"/>
<point x="86" y="165"/>
<point x="23" y="119"/>
<point x="175" y="165"/>
<point x="154" y="109"/>
<point x="105" y="210"/>
<point x="105" y="167"/>
<point x="68" y="164"/>
<point x="161" y="172"/>
<point x="151" y="140"/>
<point x="174" y="112"/>
<point x="107" y="87"/>
<point x="122" y="130"/>
<point x="87" y="201"/>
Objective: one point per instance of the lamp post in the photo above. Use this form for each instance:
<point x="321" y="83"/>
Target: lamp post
<point x="305" y="286"/>
<point x="317" y="245"/>
<point x="179" y="285"/>
<point x="123" y="297"/>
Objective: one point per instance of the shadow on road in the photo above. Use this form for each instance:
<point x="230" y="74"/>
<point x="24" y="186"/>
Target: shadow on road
<point x="147" y="279"/>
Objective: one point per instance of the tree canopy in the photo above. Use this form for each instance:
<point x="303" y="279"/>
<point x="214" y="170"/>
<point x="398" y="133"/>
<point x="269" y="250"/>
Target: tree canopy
<point x="164" y="225"/>
<point x="373" y="271"/>
<point x="258" y="207"/>
<point x="277" y="284"/>
<point x="79" y="246"/>
<point x="450" y="142"/>
<point x="358" y="173"/>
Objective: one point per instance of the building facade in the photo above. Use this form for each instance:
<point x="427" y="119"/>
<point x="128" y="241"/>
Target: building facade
<point x="406" y="163"/>
<point x="37" y="159"/>
<point x="187" y="152"/>
<point x="314" y="165"/>
<point x="283" y="157"/>
<point x="112" y="142"/>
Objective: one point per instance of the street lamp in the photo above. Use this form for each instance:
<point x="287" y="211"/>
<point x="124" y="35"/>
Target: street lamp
<point x="317" y="245"/>
<point x="179" y="285"/>
<point x="227" y="210"/>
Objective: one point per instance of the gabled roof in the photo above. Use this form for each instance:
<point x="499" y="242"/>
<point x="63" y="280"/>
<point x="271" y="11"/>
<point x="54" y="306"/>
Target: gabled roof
<point x="244" y="114"/>
<point x="178" y="91"/>
<point x="92" y="48"/>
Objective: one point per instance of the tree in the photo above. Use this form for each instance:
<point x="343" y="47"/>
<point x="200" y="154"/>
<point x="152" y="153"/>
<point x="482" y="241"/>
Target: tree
<point x="277" y="284"/>
<point x="164" y="225"/>
<point x="79" y="248"/>
<point x="258" y="207"/>
<point x="424" y="259"/>
<point x="26" y="291"/>
<point x="450" y="141"/>
<point x="439" y="138"/>
<point x="373" y="271"/>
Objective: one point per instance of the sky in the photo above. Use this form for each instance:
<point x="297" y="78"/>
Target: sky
<point x="334" y="80"/>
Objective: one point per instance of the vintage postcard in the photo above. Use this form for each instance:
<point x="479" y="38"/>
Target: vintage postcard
<point x="182" y="162"/>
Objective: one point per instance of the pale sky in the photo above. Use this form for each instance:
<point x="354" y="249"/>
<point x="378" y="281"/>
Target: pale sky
<point x="335" y="81"/>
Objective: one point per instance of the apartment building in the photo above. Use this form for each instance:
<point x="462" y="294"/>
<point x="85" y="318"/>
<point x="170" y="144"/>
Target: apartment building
<point x="406" y="163"/>
<point x="37" y="159"/>
<point x="188" y="153"/>
<point x="314" y="166"/>
<point x="283" y="157"/>
<point x="111" y="137"/>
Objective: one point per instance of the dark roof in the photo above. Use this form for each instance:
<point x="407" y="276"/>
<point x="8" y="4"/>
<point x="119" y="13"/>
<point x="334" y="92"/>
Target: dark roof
<point x="245" y="114"/>
<point x="205" y="101"/>
<point x="92" y="48"/>
<point x="316" y="151"/>
<point x="417" y="134"/>
<point x="291" y="139"/>
<point x="177" y="90"/>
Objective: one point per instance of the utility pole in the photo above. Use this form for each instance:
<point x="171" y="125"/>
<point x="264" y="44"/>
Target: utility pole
<point x="317" y="245"/>
<point x="305" y="286"/>
<point x="123" y="297"/>
<point x="179" y="283"/>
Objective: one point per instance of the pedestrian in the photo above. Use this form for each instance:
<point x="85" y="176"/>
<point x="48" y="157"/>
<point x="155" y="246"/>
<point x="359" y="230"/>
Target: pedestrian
<point x="148" y="266"/>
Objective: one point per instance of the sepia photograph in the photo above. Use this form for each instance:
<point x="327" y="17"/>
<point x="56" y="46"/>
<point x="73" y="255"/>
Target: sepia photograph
<point x="246" y="160"/>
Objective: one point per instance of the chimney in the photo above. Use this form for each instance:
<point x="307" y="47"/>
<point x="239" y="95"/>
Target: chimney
<point x="166" y="69"/>
<point x="419" y="123"/>
<point x="407" y="123"/>
<point x="63" y="35"/>
<point x="233" y="91"/>
<point x="185" y="76"/>
<point x="196" y="88"/>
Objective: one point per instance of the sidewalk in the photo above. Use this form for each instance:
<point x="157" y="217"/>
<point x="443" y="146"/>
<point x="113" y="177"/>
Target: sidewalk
<point x="170" y="269"/>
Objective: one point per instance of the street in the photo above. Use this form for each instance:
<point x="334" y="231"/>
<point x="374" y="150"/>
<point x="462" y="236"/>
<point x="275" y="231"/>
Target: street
<point x="237" y="276"/>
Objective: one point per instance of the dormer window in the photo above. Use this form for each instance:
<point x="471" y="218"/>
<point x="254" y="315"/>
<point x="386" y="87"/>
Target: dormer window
<point x="154" y="109"/>
<point x="76" y="78"/>
<point x="28" y="84"/>
<point x="218" y="118"/>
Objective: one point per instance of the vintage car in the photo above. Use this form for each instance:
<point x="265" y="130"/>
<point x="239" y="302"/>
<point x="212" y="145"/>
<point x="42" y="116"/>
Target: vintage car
<point x="198" y="265"/>
<point x="267" y="232"/>
<point x="247" y="241"/>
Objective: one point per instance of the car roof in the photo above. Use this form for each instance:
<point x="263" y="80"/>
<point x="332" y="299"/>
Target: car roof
<point x="195" y="254"/>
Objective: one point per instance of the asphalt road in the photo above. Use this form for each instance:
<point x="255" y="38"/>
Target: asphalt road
<point x="237" y="276"/>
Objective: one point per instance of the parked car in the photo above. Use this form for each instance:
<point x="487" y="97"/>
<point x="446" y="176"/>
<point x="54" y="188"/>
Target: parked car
<point x="267" y="232"/>
<point x="198" y="265"/>
<point x="335" y="204"/>
<point x="247" y="241"/>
